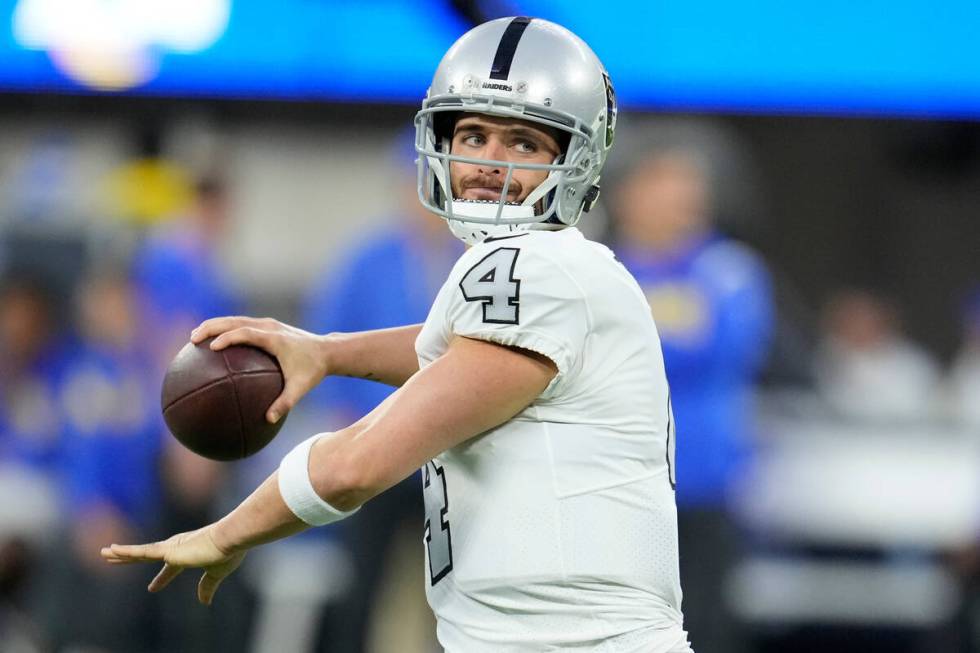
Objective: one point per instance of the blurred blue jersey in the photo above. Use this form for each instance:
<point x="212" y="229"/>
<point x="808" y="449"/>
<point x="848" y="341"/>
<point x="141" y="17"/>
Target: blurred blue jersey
<point x="113" y="433"/>
<point x="31" y="419"/>
<point x="711" y="300"/>
<point x="389" y="280"/>
<point x="179" y="278"/>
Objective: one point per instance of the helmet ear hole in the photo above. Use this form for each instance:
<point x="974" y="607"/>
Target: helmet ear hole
<point x="564" y="139"/>
<point x="437" y="198"/>
<point x="444" y="124"/>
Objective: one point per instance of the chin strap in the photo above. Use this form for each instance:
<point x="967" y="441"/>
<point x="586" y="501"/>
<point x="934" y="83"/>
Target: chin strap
<point x="543" y="189"/>
<point x="487" y="210"/>
<point x="473" y="233"/>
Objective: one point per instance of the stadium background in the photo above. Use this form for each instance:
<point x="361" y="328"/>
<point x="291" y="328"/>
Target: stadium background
<point x="271" y="147"/>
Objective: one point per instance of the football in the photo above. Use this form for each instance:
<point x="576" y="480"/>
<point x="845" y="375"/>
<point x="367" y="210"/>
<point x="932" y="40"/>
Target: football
<point x="214" y="402"/>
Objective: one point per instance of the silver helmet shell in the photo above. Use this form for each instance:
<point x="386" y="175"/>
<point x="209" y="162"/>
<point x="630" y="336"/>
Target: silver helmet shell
<point x="528" y="69"/>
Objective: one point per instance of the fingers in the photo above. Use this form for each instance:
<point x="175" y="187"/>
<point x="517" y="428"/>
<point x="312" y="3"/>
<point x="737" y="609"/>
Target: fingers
<point x="124" y="553"/>
<point x="218" y="325"/>
<point x="290" y="396"/>
<point x="194" y="549"/>
<point x="245" y="335"/>
<point x="206" y="588"/>
<point x="162" y="579"/>
<point x="114" y="561"/>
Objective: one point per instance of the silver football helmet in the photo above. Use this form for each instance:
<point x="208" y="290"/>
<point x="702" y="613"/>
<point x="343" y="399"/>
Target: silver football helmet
<point x="524" y="68"/>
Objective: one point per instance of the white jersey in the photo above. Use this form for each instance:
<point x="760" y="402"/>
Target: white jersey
<point x="556" y="530"/>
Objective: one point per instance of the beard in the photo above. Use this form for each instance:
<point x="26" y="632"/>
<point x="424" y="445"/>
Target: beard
<point x="488" y="188"/>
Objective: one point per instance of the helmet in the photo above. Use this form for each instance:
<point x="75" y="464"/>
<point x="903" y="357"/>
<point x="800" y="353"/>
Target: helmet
<point x="533" y="70"/>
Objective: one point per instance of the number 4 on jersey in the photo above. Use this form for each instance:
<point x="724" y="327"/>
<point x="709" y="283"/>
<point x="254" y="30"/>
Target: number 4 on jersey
<point x="492" y="282"/>
<point x="438" y="537"/>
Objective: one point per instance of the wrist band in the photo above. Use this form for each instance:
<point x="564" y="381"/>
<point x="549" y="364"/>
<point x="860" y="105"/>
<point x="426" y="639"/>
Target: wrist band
<point x="297" y="490"/>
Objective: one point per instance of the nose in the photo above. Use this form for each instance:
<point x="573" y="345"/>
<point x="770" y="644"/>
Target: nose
<point x="494" y="150"/>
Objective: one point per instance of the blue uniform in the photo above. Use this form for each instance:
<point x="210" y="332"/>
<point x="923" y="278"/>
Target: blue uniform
<point x="113" y="435"/>
<point x="179" y="277"/>
<point x="31" y="420"/>
<point x="389" y="281"/>
<point x="711" y="300"/>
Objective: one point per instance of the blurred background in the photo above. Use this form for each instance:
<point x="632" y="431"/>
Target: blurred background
<point x="794" y="186"/>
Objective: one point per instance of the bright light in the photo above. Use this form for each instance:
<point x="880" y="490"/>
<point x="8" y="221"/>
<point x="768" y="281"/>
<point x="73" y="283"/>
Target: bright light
<point x="116" y="44"/>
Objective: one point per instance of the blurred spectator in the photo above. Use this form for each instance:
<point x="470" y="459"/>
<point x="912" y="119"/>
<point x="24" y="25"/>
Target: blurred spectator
<point x="867" y="369"/>
<point x="710" y="298"/>
<point x="110" y="476"/>
<point x="114" y="425"/>
<point x="963" y="394"/>
<point x="32" y="356"/>
<point x="32" y="359"/>
<point x="178" y="273"/>
<point x="389" y="279"/>
<point x="964" y="383"/>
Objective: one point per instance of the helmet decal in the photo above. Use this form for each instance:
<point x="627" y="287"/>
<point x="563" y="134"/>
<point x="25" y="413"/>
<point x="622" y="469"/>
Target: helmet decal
<point x="500" y="69"/>
<point x="611" y="110"/>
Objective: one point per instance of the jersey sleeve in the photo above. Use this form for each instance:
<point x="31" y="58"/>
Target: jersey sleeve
<point x="521" y="297"/>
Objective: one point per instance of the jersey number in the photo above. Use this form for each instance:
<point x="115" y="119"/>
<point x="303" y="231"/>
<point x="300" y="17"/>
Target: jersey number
<point x="492" y="282"/>
<point x="438" y="537"/>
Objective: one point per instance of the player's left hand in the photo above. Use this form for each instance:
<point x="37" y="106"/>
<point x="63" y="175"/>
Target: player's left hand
<point x="191" y="549"/>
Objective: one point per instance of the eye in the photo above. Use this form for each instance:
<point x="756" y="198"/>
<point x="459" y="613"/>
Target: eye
<point x="473" y="140"/>
<point x="526" y="147"/>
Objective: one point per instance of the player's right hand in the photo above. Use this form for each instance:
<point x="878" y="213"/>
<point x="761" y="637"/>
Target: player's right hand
<point x="300" y="353"/>
<point x="191" y="549"/>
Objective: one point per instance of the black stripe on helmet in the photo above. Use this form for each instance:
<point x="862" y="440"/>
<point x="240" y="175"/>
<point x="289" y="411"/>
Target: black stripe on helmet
<point x="500" y="69"/>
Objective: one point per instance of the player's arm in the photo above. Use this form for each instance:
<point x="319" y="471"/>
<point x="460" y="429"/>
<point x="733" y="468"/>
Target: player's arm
<point x="472" y="388"/>
<point x="383" y="355"/>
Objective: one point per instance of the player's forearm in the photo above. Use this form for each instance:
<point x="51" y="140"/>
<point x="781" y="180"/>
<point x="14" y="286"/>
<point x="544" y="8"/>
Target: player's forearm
<point x="472" y="388"/>
<point x="262" y="517"/>
<point x="384" y="355"/>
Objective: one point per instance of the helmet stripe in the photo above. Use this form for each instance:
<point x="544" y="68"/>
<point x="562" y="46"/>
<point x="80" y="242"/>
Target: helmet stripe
<point x="500" y="69"/>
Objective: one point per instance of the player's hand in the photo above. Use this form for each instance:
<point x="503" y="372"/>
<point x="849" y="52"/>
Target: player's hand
<point x="300" y="353"/>
<point x="192" y="549"/>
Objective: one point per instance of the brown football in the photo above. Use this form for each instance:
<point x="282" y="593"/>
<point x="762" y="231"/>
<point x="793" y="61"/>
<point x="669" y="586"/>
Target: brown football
<point x="214" y="402"/>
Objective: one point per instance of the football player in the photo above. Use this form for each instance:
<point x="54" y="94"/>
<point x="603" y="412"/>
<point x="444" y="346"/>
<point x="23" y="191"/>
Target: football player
<point x="533" y="398"/>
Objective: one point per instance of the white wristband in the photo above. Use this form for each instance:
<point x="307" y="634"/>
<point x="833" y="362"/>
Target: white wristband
<point x="297" y="490"/>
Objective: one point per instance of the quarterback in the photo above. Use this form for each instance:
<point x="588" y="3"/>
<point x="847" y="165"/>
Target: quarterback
<point x="533" y="397"/>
